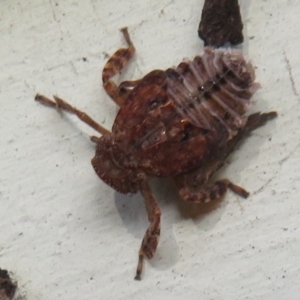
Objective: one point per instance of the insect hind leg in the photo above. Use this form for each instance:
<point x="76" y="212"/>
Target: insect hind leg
<point x="259" y="119"/>
<point x="212" y="192"/>
<point x="63" y="105"/>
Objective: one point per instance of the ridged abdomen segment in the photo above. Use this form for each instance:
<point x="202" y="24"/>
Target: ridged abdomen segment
<point x="213" y="89"/>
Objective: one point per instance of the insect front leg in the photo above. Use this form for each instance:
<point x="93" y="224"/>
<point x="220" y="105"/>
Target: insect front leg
<point x="211" y="192"/>
<point x="63" y="105"/>
<point x="114" y="66"/>
<point x="151" y="237"/>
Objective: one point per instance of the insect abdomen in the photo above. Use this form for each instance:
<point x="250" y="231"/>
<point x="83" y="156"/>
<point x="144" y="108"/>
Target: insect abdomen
<point x="215" y="87"/>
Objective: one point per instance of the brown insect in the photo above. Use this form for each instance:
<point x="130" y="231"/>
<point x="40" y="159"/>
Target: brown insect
<point x="181" y="123"/>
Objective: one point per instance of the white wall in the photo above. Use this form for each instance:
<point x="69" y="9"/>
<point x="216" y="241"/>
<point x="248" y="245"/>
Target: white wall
<point x="65" y="234"/>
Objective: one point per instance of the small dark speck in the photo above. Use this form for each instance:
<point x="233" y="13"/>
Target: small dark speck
<point x="284" y="229"/>
<point x="206" y="95"/>
<point x="106" y="55"/>
<point x="91" y="278"/>
<point x="283" y="276"/>
<point x="84" y="59"/>
<point x="251" y="37"/>
<point x="56" y="4"/>
<point x="270" y="139"/>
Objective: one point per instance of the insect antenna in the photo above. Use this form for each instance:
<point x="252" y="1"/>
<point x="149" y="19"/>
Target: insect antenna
<point x="63" y="105"/>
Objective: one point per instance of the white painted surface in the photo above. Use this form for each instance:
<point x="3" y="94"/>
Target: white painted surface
<point x="65" y="234"/>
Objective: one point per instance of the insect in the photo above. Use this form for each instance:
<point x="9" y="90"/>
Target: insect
<point x="181" y="123"/>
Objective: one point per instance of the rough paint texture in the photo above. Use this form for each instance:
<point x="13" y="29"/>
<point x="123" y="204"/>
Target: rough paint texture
<point x="182" y="122"/>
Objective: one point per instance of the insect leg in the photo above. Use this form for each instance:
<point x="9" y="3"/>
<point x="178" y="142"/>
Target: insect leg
<point x="218" y="189"/>
<point x="94" y="139"/>
<point x="151" y="237"/>
<point x="114" y="65"/>
<point x="257" y="120"/>
<point x="212" y="192"/>
<point x="63" y="105"/>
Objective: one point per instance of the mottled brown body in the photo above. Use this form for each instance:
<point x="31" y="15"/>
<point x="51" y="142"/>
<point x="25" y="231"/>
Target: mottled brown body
<point x="180" y="123"/>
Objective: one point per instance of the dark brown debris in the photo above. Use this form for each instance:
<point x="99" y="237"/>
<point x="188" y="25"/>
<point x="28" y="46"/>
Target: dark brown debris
<point x="7" y="287"/>
<point x="221" y="23"/>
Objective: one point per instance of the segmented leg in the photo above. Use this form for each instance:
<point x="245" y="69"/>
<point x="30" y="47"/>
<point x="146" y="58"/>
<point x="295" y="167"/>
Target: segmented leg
<point x="218" y="189"/>
<point x="114" y="66"/>
<point x="259" y="119"/>
<point x="212" y="192"/>
<point x="63" y="105"/>
<point x="151" y="237"/>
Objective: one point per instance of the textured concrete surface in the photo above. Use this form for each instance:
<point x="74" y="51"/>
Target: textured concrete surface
<point x="65" y="234"/>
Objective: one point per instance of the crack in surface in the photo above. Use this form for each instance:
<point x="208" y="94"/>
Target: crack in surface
<point x="265" y="184"/>
<point x="55" y="19"/>
<point x="166" y="5"/>
<point x="289" y="69"/>
<point x="283" y="160"/>
<point x="281" y="163"/>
